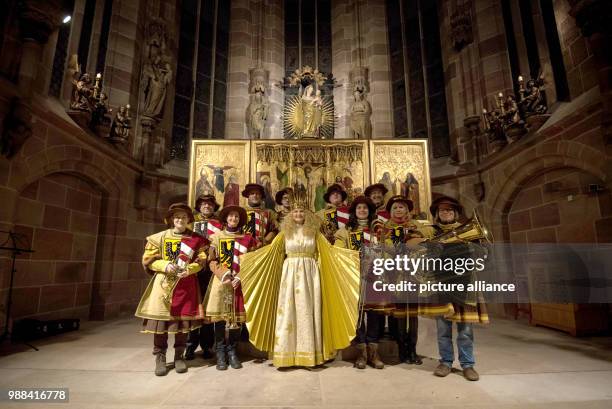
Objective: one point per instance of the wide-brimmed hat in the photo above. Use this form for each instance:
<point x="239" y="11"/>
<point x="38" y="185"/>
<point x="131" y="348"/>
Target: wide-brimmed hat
<point x="278" y="198"/>
<point x="335" y="188"/>
<point x="232" y="208"/>
<point x="207" y="198"/>
<point x="400" y="198"/>
<point x="253" y="186"/>
<point x="454" y="203"/>
<point x="376" y="186"/>
<point x="178" y="207"/>
<point x="363" y="199"/>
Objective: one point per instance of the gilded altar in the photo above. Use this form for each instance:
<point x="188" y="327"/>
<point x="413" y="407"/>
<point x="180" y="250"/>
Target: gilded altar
<point x="310" y="166"/>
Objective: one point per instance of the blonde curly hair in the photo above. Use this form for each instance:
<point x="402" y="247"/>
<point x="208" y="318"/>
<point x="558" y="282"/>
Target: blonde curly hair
<point x="312" y="224"/>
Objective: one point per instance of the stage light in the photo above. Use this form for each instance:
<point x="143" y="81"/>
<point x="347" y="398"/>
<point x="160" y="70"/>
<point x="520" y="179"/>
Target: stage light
<point x="66" y="19"/>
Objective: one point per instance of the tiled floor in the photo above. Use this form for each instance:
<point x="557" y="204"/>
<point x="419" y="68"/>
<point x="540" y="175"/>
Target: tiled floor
<point x="109" y="365"/>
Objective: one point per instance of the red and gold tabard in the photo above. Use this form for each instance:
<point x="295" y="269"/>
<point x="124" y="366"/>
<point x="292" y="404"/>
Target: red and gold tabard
<point x="224" y="257"/>
<point x="353" y="238"/>
<point x="260" y="222"/>
<point x="206" y="226"/>
<point x="163" y="301"/>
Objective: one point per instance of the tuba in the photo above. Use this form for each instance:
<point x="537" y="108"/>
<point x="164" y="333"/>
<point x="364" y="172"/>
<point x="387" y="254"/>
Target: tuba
<point x="472" y="230"/>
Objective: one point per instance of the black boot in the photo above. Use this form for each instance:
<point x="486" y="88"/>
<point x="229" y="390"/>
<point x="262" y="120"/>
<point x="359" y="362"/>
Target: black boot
<point x="232" y="349"/>
<point x="190" y="352"/>
<point x="221" y="356"/>
<point x="412" y="357"/>
<point x="207" y="340"/>
<point x="220" y="346"/>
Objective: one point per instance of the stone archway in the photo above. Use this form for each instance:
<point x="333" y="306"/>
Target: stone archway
<point x="555" y="199"/>
<point x="90" y="271"/>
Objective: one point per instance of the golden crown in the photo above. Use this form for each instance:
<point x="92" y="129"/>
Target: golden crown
<point x="298" y="200"/>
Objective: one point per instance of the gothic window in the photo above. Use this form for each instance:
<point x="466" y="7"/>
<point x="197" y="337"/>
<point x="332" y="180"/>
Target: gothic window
<point x="61" y="53"/>
<point x="308" y="40"/>
<point x="524" y="18"/>
<point x="417" y="76"/>
<point x="201" y="77"/>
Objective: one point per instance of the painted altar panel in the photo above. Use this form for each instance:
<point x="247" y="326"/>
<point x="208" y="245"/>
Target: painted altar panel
<point x="310" y="166"/>
<point x="403" y="166"/>
<point x="220" y="166"/>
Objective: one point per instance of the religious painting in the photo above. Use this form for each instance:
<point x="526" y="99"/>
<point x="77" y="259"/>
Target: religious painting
<point x="403" y="167"/>
<point x="311" y="166"/>
<point x="220" y="167"/>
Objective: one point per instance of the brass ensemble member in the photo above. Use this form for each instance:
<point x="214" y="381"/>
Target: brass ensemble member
<point x="334" y="210"/>
<point x="261" y="222"/>
<point x="306" y="287"/>
<point x="377" y="193"/>
<point x="357" y="233"/>
<point x="446" y="212"/>
<point x="205" y="221"/>
<point x="283" y="201"/>
<point x="171" y="302"/>
<point x="205" y="224"/>
<point x="404" y="319"/>
<point x="223" y="301"/>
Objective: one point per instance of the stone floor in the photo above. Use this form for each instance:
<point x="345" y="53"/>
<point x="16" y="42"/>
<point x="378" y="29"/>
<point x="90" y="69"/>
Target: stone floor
<point x="109" y="365"/>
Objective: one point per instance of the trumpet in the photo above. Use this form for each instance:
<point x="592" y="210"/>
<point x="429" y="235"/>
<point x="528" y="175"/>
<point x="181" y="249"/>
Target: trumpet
<point x="472" y="230"/>
<point x="170" y="281"/>
<point x="230" y="308"/>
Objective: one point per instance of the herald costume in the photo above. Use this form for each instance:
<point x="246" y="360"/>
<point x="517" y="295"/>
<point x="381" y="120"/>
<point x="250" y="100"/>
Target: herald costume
<point x="170" y="305"/>
<point x="261" y="222"/>
<point x="357" y="234"/>
<point x="222" y="302"/>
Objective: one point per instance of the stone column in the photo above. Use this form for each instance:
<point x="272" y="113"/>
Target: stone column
<point x="37" y="20"/>
<point x="594" y="17"/>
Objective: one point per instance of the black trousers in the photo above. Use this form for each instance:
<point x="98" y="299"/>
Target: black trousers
<point x="402" y="333"/>
<point x="369" y="330"/>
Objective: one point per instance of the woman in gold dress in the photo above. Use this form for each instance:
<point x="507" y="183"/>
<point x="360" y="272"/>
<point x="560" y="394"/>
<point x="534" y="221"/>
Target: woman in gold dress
<point x="301" y="294"/>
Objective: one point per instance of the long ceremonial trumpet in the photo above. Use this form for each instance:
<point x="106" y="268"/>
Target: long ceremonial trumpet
<point x="472" y="230"/>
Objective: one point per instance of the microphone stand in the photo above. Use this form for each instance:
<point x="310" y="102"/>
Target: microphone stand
<point x="17" y="244"/>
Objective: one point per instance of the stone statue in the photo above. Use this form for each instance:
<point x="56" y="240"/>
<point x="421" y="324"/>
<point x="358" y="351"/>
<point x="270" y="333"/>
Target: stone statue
<point x="156" y="73"/>
<point x="311" y="112"/>
<point x="257" y="112"/>
<point x="532" y="99"/>
<point x="82" y="93"/>
<point x="361" y="111"/>
<point x="120" y="128"/>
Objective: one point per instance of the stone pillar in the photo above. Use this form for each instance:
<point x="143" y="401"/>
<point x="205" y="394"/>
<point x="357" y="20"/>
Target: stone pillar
<point x="467" y="143"/>
<point x="256" y="42"/>
<point x="376" y="46"/>
<point x="594" y="17"/>
<point x="37" y="20"/>
<point x="359" y="40"/>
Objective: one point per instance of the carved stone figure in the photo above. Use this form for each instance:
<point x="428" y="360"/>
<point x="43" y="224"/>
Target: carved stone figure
<point x="532" y="98"/>
<point x="257" y="112"/>
<point x="157" y="72"/>
<point x="461" y="26"/>
<point x="361" y="111"/>
<point x="82" y="93"/>
<point x="120" y="129"/>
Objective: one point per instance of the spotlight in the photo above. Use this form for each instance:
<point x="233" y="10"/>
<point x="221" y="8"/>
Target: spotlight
<point x="66" y="19"/>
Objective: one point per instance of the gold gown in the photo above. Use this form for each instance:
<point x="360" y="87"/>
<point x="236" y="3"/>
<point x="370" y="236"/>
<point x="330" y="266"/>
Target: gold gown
<point x="301" y="298"/>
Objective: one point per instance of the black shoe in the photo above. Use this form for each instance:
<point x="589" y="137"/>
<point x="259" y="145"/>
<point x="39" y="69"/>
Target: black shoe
<point x="221" y="357"/>
<point x="413" y="358"/>
<point x="190" y="353"/>
<point x="206" y="354"/>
